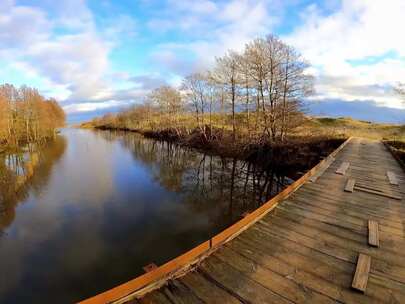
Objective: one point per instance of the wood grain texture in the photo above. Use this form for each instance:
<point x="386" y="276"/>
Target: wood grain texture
<point x="360" y="278"/>
<point x="392" y="178"/>
<point x="373" y="234"/>
<point x="349" y="187"/>
<point x="343" y="168"/>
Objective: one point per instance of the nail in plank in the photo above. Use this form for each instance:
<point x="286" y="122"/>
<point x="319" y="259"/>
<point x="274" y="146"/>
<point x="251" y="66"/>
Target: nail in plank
<point x="361" y="275"/>
<point x="150" y="267"/>
<point x="373" y="235"/>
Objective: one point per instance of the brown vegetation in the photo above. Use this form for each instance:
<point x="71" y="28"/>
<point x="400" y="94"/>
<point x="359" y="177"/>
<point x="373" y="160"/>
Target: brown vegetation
<point x="248" y="98"/>
<point x="26" y="116"/>
<point x="397" y="148"/>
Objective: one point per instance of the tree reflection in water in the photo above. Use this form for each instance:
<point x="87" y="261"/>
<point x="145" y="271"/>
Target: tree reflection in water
<point x="25" y="170"/>
<point x="231" y="187"/>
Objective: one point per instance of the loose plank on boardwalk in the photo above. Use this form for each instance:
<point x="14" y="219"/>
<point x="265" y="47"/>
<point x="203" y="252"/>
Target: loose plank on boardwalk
<point x="373" y="237"/>
<point x="343" y="168"/>
<point x="388" y="195"/>
<point x="392" y="178"/>
<point x="350" y="185"/>
<point x="361" y="275"/>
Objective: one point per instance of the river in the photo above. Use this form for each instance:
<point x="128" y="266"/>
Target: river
<point x="87" y="211"/>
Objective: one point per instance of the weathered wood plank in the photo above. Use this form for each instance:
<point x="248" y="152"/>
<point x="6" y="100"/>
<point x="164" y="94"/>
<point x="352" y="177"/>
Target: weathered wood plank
<point x="152" y="298"/>
<point x="178" y="293"/>
<point x="236" y="282"/>
<point x="206" y="290"/>
<point x="344" y="216"/>
<point x="343" y="168"/>
<point x="339" y="228"/>
<point x="392" y="178"/>
<point x="360" y="278"/>
<point x="344" y="243"/>
<point x="349" y="187"/>
<point x="392" y="196"/>
<point x="281" y="282"/>
<point x="318" y="273"/>
<point x="268" y="241"/>
<point x="373" y="235"/>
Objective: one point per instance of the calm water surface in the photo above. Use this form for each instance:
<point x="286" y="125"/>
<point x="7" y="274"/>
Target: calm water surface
<point x="89" y="210"/>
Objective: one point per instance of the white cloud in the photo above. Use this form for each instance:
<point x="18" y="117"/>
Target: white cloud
<point x="92" y="106"/>
<point x="20" y="26"/>
<point x="59" y="42"/>
<point x="229" y="25"/>
<point x="355" y="47"/>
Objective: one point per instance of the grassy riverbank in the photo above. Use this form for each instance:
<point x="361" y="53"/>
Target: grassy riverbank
<point x="313" y="139"/>
<point x="351" y="127"/>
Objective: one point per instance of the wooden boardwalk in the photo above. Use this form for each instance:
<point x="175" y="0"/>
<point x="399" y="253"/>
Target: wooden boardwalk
<point x="306" y="249"/>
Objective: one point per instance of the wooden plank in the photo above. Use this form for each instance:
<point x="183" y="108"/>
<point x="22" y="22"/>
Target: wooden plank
<point x="152" y="298"/>
<point x="341" y="217"/>
<point x="286" y="227"/>
<point x="235" y="282"/>
<point x="373" y="237"/>
<point x="319" y="253"/>
<point x="343" y="168"/>
<point x="273" y="277"/>
<point x="360" y="278"/>
<point x="322" y="273"/>
<point x="392" y="178"/>
<point x="350" y="185"/>
<point x="206" y="290"/>
<point x="178" y="293"/>
<point x="393" y="196"/>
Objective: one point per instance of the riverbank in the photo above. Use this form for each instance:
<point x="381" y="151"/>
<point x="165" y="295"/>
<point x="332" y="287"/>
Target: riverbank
<point x="292" y="157"/>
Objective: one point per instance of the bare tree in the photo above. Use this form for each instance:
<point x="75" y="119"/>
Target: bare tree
<point x="226" y="74"/>
<point x="169" y="101"/>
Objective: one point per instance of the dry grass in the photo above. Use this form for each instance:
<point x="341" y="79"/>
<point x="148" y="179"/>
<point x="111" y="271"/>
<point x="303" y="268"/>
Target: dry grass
<point x="311" y="126"/>
<point x="351" y="127"/>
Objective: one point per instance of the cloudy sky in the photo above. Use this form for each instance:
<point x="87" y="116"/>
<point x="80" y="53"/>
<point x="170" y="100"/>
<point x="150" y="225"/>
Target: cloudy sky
<point x="99" y="55"/>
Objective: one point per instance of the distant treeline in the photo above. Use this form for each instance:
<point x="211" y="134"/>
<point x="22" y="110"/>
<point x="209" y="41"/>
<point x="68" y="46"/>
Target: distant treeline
<point x="253" y="94"/>
<point x="26" y="116"/>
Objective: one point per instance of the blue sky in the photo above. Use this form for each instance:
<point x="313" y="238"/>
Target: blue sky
<point x="99" y="55"/>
